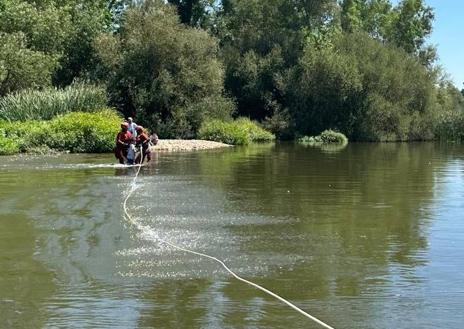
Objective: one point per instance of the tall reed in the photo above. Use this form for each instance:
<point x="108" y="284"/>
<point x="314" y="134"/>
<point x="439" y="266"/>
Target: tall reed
<point x="48" y="103"/>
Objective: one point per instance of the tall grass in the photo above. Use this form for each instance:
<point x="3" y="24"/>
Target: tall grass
<point x="48" y="103"/>
<point x="450" y="126"/>
<point x="242" y="131"/>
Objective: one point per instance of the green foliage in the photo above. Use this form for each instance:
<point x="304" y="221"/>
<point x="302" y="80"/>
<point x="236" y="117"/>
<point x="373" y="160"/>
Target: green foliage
<point x="362" y="67"/>
<point x="261" y="40"/>
<point x="83" y="132"/>
<point x="22" y="67"/>
<point x="323" y="91"/>
<point x="280" y="124"/>
<point x="406" y="25"/>
<point x="364" y="89"/>
<point x="450" y="126"/>
<point x="8" y="146"/>
<point x="41" y="41"/>
<point x="239" y="132"/>
<point x="46" y="104"/>
<point x="194" y="12"/>
<point x="79" y="59"/>
<point x="161" y="71"/>
<point x="73" y="132"/>
<point x="24" y="134"/>
<point x="326" y="137"/>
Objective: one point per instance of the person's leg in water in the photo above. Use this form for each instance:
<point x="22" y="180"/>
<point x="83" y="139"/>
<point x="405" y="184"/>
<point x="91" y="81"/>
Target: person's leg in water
<point x="146" y="154"/>
<point x="118" y="152"/>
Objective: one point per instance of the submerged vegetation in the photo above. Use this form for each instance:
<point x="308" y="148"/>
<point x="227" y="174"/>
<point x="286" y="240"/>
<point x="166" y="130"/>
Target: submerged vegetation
<point x="186" y="69"/>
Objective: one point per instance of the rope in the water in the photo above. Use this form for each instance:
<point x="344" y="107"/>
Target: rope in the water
<point x="296" y="308"/>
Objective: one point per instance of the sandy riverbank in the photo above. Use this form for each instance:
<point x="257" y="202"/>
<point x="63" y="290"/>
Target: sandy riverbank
<point x="186" y="145"/>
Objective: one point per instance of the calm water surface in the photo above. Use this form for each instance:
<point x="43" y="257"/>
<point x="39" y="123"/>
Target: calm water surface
<point x="371" y="236"/>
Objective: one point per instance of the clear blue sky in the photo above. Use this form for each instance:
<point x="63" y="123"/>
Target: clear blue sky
<point x="448" y="36"/>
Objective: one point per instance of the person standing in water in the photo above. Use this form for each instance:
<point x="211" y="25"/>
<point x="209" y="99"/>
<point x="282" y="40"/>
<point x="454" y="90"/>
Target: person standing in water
<point x="132" y="126"/>
<point x="143" y="141"/>
<point x="122" y="143"/>
<point x="131" y="151"/>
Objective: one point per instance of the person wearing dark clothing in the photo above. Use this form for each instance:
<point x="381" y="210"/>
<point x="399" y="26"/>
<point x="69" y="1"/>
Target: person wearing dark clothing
<point x="143" y="141"/>
<point x="123" y="139"/>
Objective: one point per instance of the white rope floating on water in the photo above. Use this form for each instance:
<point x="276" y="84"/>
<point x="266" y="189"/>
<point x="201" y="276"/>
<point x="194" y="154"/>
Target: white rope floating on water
<point x="296" y="308"/>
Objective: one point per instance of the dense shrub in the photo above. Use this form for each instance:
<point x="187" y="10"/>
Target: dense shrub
<point x="8" y="145"/>
<point x="326" y="137"/>
<point x="73" y="132"/>
<point x="83" y="132"/>
<point x="239" y="132"/>
<point x="46" y="104"/>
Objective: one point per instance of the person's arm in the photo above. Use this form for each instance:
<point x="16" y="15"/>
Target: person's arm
<point x="119" y="141"/>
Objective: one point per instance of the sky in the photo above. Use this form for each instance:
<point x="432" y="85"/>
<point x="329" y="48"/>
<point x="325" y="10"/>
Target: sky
<point x="448" y="36"/>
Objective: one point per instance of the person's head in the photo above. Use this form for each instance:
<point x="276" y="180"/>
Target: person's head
<point x="132" y="140"/>
<point x="124" y="126"/>
<point x="130" y="120"/>
<point x="139" y="129"/>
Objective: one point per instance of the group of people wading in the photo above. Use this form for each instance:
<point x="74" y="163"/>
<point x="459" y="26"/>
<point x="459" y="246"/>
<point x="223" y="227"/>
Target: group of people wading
<point x="133" y="143"/>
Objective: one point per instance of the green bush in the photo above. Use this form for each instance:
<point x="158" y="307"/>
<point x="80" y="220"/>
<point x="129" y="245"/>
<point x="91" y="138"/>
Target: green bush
<point x="239" y="132"/>
<point x="48" y="103"/>
<point x="24" y="134"/>
<point x="8" y="146"/>
<point x="325" y="138"/>
<point x="76" y="132"/>
<point x="83" y="132"/>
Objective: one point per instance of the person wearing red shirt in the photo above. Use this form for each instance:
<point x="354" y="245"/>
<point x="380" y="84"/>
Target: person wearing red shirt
<point x="143" y="141"/>
<point x="122" y="143"/>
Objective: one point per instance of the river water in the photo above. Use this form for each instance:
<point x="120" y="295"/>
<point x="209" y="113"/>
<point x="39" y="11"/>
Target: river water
<point x="371" y="236"/>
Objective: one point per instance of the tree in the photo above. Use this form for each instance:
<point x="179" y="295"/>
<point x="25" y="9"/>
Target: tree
<point x="362" y="88"/>
<point x="407" y="25"/>
<point x="371" y="16"/>
<point x="412" y="25"/>
<point x="260" y="40"/>
<point x="194" y="12"/>
<point x="88" y="20"/>
<point x="59" y="33"/>
<point x="22" y="67"/>
<point x="160" y="71"/>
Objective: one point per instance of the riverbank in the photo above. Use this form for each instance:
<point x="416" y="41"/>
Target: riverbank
<point x="173" y="145"/>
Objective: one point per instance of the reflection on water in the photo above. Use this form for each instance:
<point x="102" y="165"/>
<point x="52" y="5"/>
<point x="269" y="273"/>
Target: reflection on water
<point x="370" y="236"/>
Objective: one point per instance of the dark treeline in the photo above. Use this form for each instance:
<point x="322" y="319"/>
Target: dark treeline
<point x="362" y="67"/>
